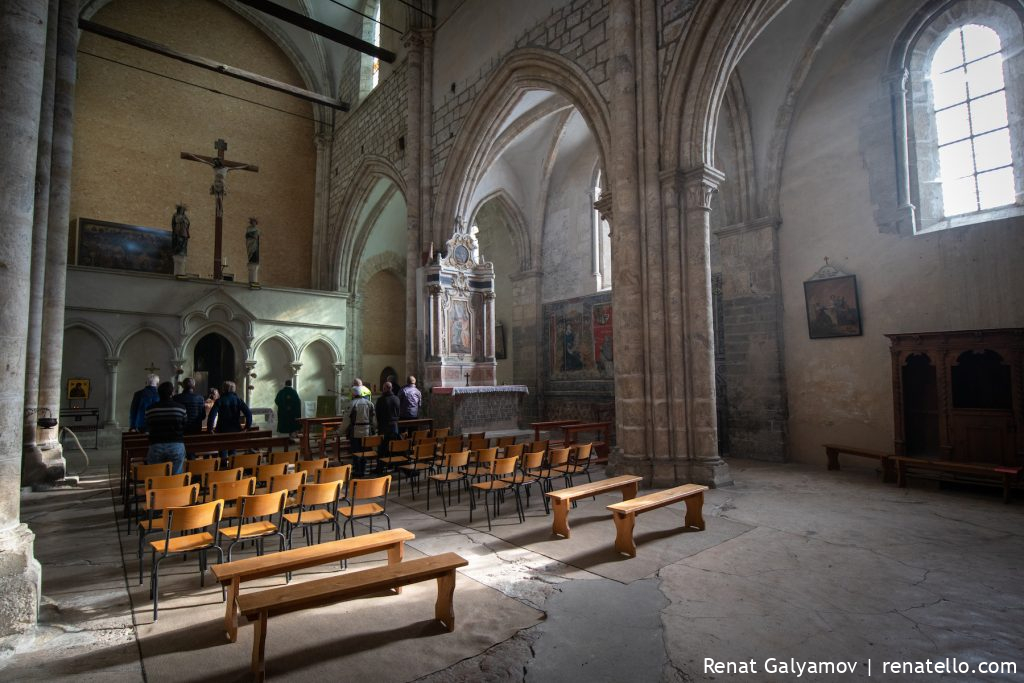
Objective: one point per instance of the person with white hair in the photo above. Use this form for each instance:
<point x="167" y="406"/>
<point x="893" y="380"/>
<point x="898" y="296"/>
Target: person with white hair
<point x="143" y="399"/>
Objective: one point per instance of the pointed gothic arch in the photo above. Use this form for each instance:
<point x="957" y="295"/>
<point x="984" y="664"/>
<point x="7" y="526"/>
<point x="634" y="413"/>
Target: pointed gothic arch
<point x="517" y="222"/>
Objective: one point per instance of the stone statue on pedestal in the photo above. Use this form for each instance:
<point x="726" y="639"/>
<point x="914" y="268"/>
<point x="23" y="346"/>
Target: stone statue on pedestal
<point x="179" y="238"/>
<point x="252" y="249"/>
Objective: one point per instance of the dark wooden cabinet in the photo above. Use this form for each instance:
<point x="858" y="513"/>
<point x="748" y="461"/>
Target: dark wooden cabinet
<point x="958" y="395"/>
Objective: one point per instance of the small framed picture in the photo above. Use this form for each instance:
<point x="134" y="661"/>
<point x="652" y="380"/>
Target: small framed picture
<point x="832" y="307"/>
<point x="78" y="389"/>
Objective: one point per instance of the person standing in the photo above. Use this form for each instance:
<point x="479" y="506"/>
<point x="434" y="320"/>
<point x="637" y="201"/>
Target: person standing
<point x="165" y="423"/>
<point x="289" y="409"/>
<point x="360" y="425"/>
<point x="141" y="402"/>
<point x="194" y="405"/>
<point x="388" y="410"/>
<point x="226" y="414"/>
<point x="411" y="399"/>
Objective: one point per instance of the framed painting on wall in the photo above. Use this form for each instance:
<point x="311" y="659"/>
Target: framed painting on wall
<point x="832" y="307"/>
<point x="101" y="244"/>
<point x="499" y="341"/>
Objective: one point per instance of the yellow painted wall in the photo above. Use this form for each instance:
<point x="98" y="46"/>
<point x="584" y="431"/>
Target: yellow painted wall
<point x="130" y="127"/>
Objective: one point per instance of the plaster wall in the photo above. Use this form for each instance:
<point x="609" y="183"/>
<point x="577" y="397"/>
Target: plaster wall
<point x="272" y="370"/>
<point x="963" y="278"/>
<point x="130" y="127"/>
<point x="83" y="355"/>
<point x="496" y="246"/>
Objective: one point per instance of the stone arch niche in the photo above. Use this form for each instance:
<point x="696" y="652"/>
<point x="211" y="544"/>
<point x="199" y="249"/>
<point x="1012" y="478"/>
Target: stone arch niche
<point x="143" y="350"/>
<point x="383" y="343"/>
<point x="84" y="356"/>
<point x="316" y="378"/>
<point x="273" y="368"/>
<point x="214" y="362"/>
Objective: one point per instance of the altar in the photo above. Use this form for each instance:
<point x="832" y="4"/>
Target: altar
<point x="478" y="409"/>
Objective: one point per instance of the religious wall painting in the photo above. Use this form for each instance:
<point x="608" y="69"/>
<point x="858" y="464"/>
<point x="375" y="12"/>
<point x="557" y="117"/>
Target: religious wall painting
<point x="101" y="244"/>
<point x="602" y="331"/>
<point x="460" y="328"/>
<point x="833" y="309"/>
<point x="78" y="388"/>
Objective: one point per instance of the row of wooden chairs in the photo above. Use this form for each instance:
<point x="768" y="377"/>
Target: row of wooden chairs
<point x="250" y="516"/>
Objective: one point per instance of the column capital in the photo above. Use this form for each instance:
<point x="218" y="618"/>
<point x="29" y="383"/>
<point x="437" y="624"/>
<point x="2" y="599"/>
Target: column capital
<point x="897" y="79"/>
<point x="323" y="139"/>
<point x="603" y="205"/>
<point x="339" y="367"/>
<point x="249" y="364"/>
<point x="700" y="185"/>
<point x="295" y="367"/>
<point x="418" y="38"/>
<point x="112" y="362"/>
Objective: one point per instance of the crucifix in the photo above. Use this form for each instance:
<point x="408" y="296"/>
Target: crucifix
<point x="152" y="368"/>
<point x="221" y="166"/>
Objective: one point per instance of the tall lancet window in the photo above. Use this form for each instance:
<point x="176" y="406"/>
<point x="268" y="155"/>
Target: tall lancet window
<point x="971" y="123"/>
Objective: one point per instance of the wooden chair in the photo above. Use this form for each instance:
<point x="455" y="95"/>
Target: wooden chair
<point x="451" y="444"/>
<point x="424" y="459"/>
<point x="515" y="450"/>
<point x="531" y="471"/>
<point x="198" y="468"/>
<point x="156" y="503"/>
<point x="368" y="449"/>
<point x="291" y="483"/>
<point x="579" y="463"/>
<point x="318" y="505"/>
<point x="366" y="499"/>
<point x="481" y="462"/>
<point x="137" y="486"/>
<point x="558" y="460"/>
<point x="453" y="469"/>
<point x="169" y="481"/>
<point x="286" y="457"/>
<point x="247" y="461"/>
<point x="259" y="510"/>
<point x="399" y="453"/>
<point x="420" y="434"/>
<point x="219" y="477"/>
<point x="479" y="444"/>
<point x="502" y="479"/>
<point x="505" y="441"/>
<point x="541" y="445"/>
<point x="310" y="467"/>
<point x="440" y="433"/>
<point x="230" y="492"/>
<point x="265" y="472"/>
<point x="340" y="473"/>
<point x="191" y="523"/>
<point x="467" y="438"/>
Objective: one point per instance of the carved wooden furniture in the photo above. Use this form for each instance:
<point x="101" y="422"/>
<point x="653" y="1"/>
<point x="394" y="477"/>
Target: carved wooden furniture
<point x="984" y="474"/>
<point x="624" y="513"/>
<point x="833" y="450"/>
<point x="233" y="574"/>
<point x="561" y="500"/>
<point x="957" y="396"/>
<point x="260" y="606"/>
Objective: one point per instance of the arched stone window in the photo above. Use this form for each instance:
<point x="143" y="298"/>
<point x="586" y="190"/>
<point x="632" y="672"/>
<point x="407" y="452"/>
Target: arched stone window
<point x="959" y="114"/>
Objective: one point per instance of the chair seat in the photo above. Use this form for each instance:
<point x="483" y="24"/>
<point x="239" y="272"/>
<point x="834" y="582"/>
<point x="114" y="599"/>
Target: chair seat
<point x="394" y="459"/>
<point x="156" y="524"/>
<point x="569" y="469"/>
<point x="478" y="470"/>
<point x="363" y="510"/>
<point x="316" y="516"/>
<point x="184" y="544"/>
<point x="250" y="530"/>
<point x="523" y="479"/>
<point x="499" y="485"/>
<point x="416" y="467"/>
<point x="448" y="476"/>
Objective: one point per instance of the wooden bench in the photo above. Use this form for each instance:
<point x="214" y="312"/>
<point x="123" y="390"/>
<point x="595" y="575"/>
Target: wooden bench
<point x="331" y="425"/>
<point x="624" y="513"/>
<point x="562" y="499"/>
<point x="832" y="452"/>
<point x="232" y="574"/>
<point x="258" y="607"/>
<point x="539" y="427"/>
<point x="984" y="473"/>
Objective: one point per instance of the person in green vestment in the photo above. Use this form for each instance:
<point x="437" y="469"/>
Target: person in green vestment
<point x="289" y="409"/>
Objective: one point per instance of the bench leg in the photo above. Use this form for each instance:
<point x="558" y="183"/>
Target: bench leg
<point x="230" y="615"/>
<point x="888" y="471"/>
<point x="695" y="510"/>
<point x="833" y="458"/>
<point x="624" y="523"/>
<point x="259" y="649"/>
<point x="444" y="608"/>
<point x="395" y="555"/>
<point x="629" y="491"/>
<point x="560" y="518"/>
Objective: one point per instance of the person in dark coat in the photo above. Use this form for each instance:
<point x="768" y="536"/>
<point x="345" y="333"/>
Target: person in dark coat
<point x="194" y="405"/>
<point x="142" y="400"/>
<point x="226" y="414"/>
<point x="388" y="409"/>
<point x="289" y="409"/>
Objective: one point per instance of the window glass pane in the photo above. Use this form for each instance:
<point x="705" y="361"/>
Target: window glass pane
<point x="992" y="150"/>
<point x="995" y="188"/>
<point x="988" y="113"/>
<point x="979" y="41"/>
<point x="958" y="196"/>
<point x="949" y="88"/>
<point x="956" y="160"/>
<point x="949" y="54"/>
<point x="985" y="76"/>
<point x="952" y="124"/>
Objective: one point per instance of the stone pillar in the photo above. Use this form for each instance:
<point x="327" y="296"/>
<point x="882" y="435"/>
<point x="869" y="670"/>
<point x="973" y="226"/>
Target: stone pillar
<point x="324" y="141"/>
<point x="52" y="345"/>
<point x="488" y="350"/>
<point x="339" y="368"/>
<point x="22" y="60"/>
<point x="904" y="217"/>
<point x="295" y="367"/>
<point x="250" y="372"/>
<point x="111" y="422"/>
<point x="707" y="467"/>
<point x="33" y="470"/>
<point x="633" y="422"/>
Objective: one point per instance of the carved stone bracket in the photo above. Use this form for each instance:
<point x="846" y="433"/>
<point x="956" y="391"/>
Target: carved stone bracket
<point x="700" y="185"/>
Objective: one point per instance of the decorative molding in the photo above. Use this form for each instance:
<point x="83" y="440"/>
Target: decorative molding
<point x="748" y="227"/>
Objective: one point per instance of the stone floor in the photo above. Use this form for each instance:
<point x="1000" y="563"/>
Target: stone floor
<point x="798" y="567"/>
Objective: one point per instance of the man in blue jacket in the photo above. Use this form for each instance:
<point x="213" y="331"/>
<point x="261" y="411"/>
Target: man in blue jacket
<point x="228" y="411"/>
<point x="143" y="399"/>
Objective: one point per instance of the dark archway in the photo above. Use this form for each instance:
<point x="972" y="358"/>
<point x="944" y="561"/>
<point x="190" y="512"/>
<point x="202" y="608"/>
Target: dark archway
<point x="389" y="374"/>
<point x="214" y="362"/>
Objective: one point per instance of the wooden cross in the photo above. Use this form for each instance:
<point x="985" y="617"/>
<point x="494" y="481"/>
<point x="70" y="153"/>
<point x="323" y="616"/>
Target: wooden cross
<point x="152" y="368"/>
<point x="221" y="166"/>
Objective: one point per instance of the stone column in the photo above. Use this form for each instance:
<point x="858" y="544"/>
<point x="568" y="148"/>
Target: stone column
<point x="904" y="217"/>
<point x="52" y="345"/>
<point x="339" y="368"/>
<point x="295" y="367"/>
<point x="324" y="141"/>
<point x="633" y="422"/>
<point x="250" y="369"/>
<point x="111" y="422"/>
<point x="33" y="470"/>
<point x="488" y="350"/>
<point x="22" y="59"/>
<point x="707" y="467"/>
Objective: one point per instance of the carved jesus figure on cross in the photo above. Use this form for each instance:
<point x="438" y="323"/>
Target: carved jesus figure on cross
<point x="221" y="166"/>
